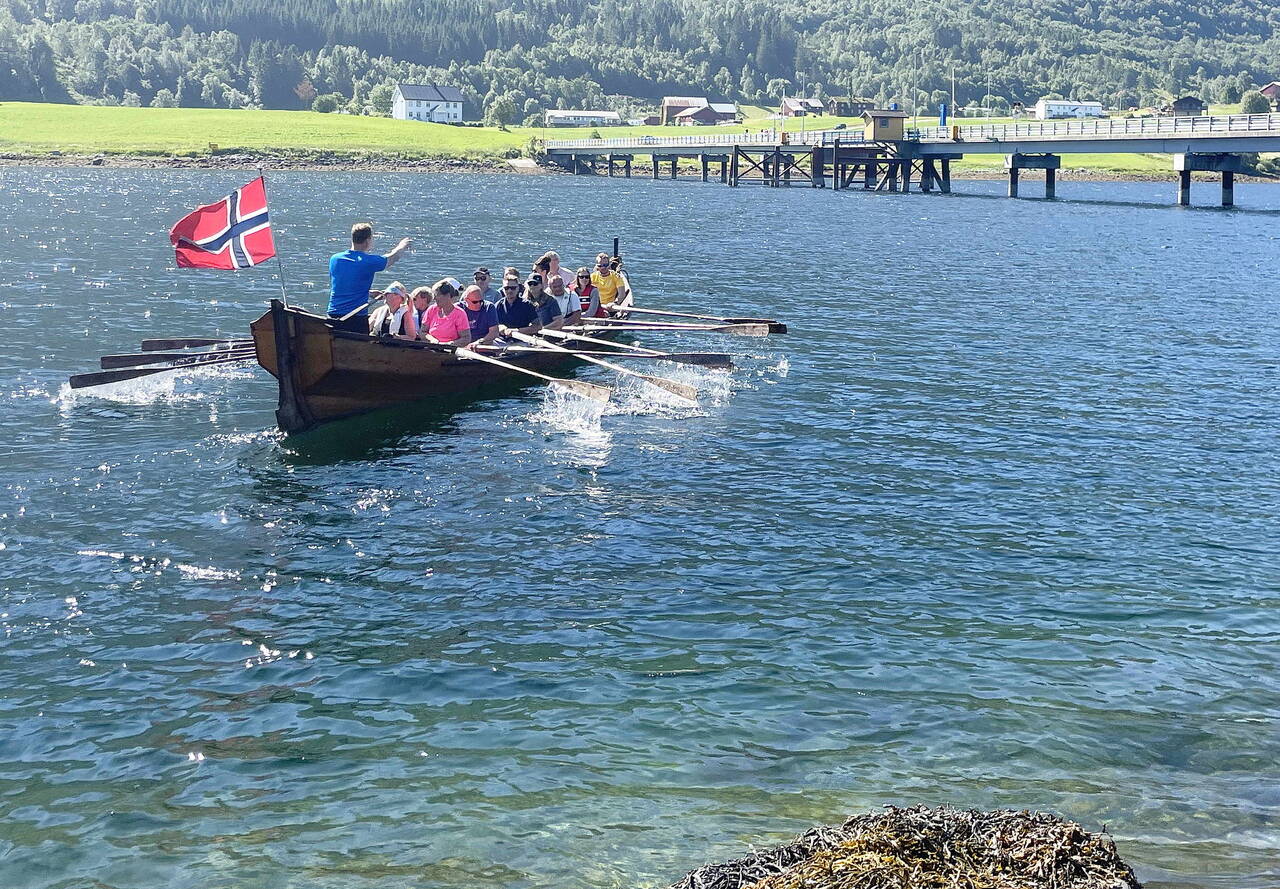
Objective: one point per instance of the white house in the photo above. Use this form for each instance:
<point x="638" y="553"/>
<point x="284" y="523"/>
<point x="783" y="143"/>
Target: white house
<point x="1051" y="108"/>
<point x="427" y="101"/>
<point x="582" y="118"/>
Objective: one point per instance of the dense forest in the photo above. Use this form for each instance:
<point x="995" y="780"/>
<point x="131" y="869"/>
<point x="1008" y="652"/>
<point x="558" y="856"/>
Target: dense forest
<point x="514" y="58"/>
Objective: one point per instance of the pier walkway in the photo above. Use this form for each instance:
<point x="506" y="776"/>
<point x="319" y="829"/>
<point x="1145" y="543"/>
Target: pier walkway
<point x="843" y="157"/>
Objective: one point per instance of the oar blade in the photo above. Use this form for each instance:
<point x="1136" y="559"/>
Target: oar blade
<point x="702" y="359"/>
<point x="585" y="389"/>
<point x="684" y="390"/>
<point x="746" y="329"/>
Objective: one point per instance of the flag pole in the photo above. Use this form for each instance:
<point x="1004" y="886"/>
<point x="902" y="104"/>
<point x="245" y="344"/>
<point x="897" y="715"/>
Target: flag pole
<point x="284" y="295"/>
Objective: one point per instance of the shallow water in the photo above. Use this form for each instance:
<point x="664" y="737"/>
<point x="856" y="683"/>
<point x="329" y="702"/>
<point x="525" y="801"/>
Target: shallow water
<point x="994" y="525"/>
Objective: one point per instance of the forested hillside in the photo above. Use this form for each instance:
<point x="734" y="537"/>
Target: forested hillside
<point x="513" y="58"/>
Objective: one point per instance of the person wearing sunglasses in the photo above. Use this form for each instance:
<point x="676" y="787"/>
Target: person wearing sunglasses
<point x="588" y="295"/>
<point x="610" y="283"/>
<point x="482" y="316"/>
<point x="485" y="282"/>
<point x="547" y="306"/>
<point x="514" y="311"/>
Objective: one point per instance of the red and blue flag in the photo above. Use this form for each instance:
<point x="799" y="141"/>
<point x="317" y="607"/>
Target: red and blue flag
<point x="234" y="233"/>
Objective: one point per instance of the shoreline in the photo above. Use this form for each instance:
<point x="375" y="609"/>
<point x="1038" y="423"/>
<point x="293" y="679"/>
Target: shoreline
<point x="371" y="162"/>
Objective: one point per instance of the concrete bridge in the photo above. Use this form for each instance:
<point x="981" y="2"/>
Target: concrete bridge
<point x="845" y="158"/>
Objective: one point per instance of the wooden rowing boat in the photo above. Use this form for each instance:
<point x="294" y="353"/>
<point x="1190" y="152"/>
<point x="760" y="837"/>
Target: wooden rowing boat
<point x="326" y="374"/>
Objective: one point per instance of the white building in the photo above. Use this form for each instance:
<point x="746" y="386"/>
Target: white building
<point x="1047" y="109"/>
<point x="582" y="118"/>
<point x="426" y="101"/>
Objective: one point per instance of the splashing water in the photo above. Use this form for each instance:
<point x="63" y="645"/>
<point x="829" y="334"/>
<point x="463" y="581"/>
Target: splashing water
<point x="170" y="386"/>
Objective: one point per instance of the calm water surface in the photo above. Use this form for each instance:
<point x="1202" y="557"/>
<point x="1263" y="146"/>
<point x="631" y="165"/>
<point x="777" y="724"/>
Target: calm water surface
<point x="995" y="525"/>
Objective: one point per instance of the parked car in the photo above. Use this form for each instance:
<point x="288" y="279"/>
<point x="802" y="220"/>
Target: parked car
<point x="841" y="126"/>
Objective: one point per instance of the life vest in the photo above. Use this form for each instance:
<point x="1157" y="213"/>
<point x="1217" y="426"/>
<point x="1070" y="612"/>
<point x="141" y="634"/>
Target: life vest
<point x="386" y="323"/>
<point x="584" y="296"/>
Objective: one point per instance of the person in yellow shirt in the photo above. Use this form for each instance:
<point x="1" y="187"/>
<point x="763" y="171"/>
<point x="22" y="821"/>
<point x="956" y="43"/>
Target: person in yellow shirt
<point x="608" y="281"/>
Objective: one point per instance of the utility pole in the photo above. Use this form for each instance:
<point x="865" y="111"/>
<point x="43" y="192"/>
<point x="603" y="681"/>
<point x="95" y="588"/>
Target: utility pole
<point x="953" y="87"/>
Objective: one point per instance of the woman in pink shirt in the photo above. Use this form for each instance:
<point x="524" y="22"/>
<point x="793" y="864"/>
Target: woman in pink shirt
<point x="445" y="322"/>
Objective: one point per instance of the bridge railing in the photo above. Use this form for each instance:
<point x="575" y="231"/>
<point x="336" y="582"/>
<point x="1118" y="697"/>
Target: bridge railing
<point x="1105" y="128"/>
<point x="711" y="140"/>
<point x="1110" y="128"/>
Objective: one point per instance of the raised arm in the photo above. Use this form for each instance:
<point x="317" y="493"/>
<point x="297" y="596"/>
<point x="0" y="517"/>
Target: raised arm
<point x="399" y="251"/>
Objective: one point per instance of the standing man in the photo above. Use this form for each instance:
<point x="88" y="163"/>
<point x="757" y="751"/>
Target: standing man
<point x="351" y="277"/>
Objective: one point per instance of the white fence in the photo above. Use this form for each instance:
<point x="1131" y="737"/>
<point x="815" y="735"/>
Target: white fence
<point x="1109" y="128"/>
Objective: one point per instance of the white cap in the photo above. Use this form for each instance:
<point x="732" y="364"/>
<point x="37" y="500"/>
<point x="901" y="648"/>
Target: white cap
<point x="457" y="285"/>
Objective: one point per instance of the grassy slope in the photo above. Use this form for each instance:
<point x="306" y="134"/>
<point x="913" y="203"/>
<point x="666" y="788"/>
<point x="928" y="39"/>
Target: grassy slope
<point x="28" y="128"/>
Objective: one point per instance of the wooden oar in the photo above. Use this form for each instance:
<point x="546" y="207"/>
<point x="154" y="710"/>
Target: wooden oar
<point x="774" y="326"/>
<point x="601" y="324"/>
<point x="684" y="390"/>
<point x="578" y="387"/>
<point x="82" y="381"/>
<point x="112" y="361"/>
<point x="190" y="342"/>
<point x="627" y="350"/>
<point x="641" y="356"/>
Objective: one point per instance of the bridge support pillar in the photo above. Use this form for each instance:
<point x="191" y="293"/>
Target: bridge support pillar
<point x="675" y="159"/>
<point x="724" y="171"/>
<point x="1226" y="164"/>
<point x="655" y="160"/>
<point x="817" y="167"/>
<point x="703" y="158"/>
<point x="1047" y="162"/>
<point x="870" y="171"/>
<point x="610" y="158"/>
<point x="945" y="183"/>
<point x="733" y="168"/>
<point x="626" y="165"/>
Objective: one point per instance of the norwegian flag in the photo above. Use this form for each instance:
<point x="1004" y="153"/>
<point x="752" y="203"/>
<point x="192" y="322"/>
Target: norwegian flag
<point x="233" y="233"/>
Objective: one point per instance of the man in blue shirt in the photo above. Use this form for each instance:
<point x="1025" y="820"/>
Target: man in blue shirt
<point x="482" y="317"/>
<point x="514" y="311"/>
<point x="351" y="277"/>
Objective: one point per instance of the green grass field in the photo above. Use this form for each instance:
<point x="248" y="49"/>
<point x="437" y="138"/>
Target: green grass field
<point x="38" y="129"/>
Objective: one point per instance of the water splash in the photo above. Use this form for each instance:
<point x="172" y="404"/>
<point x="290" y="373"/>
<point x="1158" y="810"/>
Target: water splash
<point x="168" y="386"/>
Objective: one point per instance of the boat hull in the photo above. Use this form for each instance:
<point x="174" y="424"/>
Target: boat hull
<point x="326" y="374"/>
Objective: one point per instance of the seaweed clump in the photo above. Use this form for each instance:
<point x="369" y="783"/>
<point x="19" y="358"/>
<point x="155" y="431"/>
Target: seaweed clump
<point x="924" y="848"/>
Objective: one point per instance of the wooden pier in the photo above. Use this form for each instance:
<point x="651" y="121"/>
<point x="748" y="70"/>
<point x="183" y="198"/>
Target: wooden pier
<point x="845" y="159"/>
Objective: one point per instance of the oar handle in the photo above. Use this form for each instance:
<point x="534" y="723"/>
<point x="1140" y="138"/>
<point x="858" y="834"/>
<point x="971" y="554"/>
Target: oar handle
<point x="363" y="308"/>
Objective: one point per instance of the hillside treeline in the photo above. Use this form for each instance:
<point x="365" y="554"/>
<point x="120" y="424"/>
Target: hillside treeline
<point x="514" y="58"/>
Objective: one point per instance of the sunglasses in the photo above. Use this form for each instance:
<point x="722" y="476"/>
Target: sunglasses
<point x="511" y="287"/>
<point x="584" y="276"/>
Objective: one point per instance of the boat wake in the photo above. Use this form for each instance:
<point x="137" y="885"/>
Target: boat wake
<point x="175" y="386"/>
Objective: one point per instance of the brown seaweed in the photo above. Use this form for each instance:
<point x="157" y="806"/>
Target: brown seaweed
<point x="924" y="848"/>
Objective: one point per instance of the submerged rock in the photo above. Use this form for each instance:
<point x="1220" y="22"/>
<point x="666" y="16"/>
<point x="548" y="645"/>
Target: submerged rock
<point x="924" y="848"/>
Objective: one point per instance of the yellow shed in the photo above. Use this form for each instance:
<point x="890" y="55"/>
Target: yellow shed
<point x="883" y="125"/>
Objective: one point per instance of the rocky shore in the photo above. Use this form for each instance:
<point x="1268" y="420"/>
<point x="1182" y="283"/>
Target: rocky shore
<point x="332" y="161"/>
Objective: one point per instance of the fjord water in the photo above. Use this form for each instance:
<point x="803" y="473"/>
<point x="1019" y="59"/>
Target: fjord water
<point x="994" y="525"/>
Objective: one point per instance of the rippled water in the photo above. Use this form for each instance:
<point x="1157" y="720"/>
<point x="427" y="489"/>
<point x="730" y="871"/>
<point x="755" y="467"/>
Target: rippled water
<point x="993" y="526"/>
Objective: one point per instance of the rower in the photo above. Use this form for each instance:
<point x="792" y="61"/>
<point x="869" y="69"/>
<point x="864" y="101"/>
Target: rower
<point x="514" y="311"/>
<point x="610" y="283"/>
<point x="570" y="307"/>
<point x="444" y="321"/>
<point x="351" y="277"/>
<point x="394" y="318"/>
<point x="546" y="305"/>
<point x="482" y="316"/>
